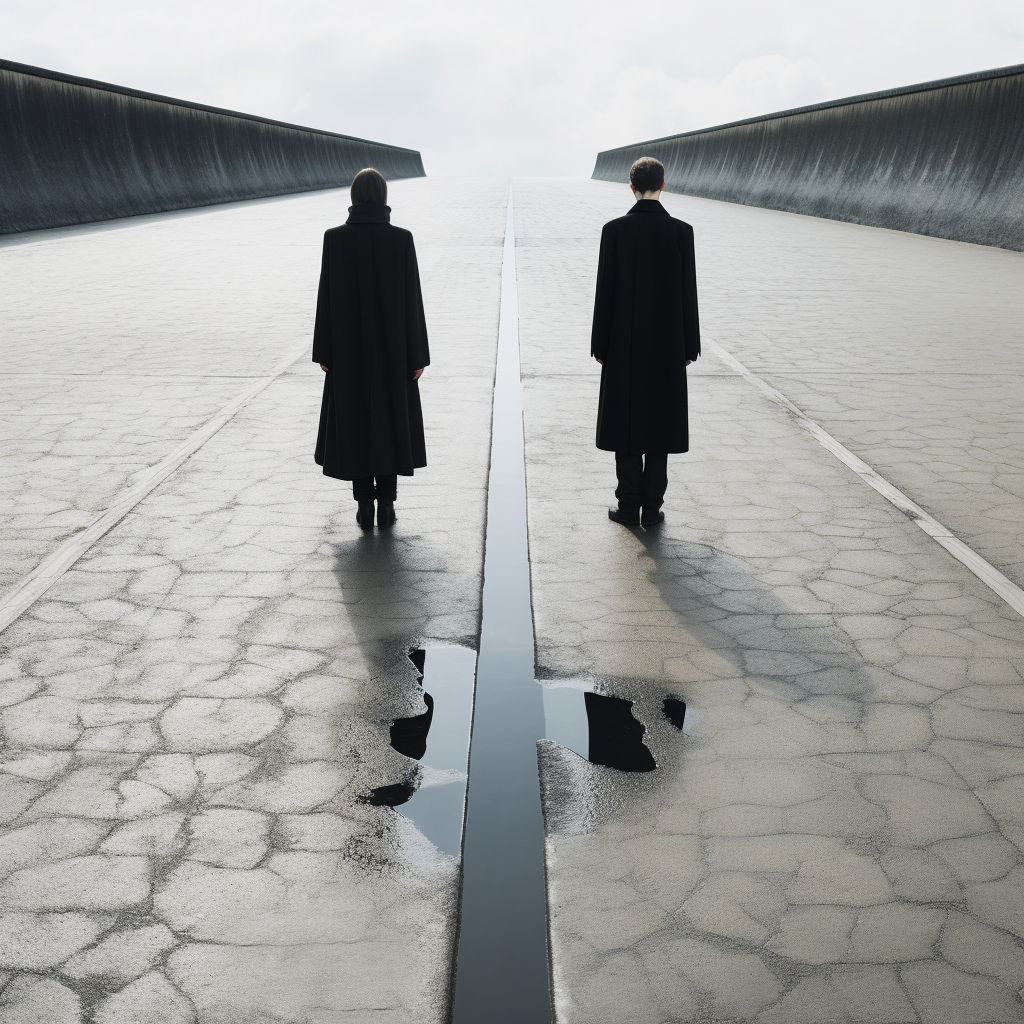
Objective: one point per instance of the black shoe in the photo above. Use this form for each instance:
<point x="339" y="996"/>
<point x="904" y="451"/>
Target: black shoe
<point x="385" y="513"/>
<point x="624" y="516"/>
<point x="364" y="517"/>
<point x="651" y="517"/>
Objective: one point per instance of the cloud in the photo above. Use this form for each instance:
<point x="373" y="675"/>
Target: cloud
<point x="522" y="87"/>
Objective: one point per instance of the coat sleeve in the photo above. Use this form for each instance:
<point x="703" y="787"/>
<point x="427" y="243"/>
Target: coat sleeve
<point x="604" y="299"/>
<point x="691" y="322"/>
<point x="322" y="347"/>
<point x="415" y="322"/>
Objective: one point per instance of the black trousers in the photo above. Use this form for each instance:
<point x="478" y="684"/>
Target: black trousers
<point x="643" y="480"/>
<point x="386" y="489"/>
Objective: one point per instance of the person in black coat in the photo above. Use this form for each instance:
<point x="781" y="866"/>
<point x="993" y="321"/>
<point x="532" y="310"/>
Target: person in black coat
<point x="644" y="336"/>
<point x="370" y="340"/>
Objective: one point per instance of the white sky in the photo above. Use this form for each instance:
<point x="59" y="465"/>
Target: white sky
<point x="528" y="87"/>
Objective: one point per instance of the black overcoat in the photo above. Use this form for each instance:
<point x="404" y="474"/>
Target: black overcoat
<point x="371" y="333"/>
<point x="645" y="328"/>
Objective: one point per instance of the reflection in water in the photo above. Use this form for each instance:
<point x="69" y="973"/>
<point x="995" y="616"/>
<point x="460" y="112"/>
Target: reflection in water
<point x="391" y="796"/>
<point x="675" y="711"/>
<point x="597" y="727"/>
<point x="616" y="737"/>
<point x="434" y="796"/>
<point x="409" y="735"/>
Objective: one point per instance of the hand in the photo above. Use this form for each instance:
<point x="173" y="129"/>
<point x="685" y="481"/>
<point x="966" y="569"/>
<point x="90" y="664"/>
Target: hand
<point x="600" y="362"/>
<point x="324" y="368"/>
<point x="418" y="374"/>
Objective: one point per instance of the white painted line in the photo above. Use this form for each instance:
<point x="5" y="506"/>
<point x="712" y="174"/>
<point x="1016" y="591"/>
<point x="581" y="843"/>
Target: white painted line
<point x="988" y="574"/>
<point x="44" y="575"/>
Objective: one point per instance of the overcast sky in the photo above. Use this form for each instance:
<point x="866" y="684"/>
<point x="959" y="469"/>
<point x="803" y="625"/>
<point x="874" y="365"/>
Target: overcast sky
<point x="532" y="87"/>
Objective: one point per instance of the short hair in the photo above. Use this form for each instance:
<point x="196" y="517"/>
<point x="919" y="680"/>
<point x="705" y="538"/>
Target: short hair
<point x="647" y="174"/>
<point x="369" y="188"/>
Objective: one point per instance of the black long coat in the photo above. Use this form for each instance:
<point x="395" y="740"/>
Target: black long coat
<point x="645" y="328"/>
<point x="371" y="333"/>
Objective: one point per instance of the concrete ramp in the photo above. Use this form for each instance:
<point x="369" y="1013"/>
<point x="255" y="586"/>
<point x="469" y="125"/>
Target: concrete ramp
<point x="941" y="158"/>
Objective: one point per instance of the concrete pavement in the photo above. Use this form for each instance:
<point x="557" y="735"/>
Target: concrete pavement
<point x="838" y="834"/>
<point x="195" y="712"/>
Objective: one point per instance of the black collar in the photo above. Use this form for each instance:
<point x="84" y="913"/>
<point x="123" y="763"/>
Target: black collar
<point x="648" y="206"/>
<point x="369" y="215"/>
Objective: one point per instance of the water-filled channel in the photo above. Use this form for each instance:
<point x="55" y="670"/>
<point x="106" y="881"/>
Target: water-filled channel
<point x="502" y="974"/>
<point x="502" y="966"/>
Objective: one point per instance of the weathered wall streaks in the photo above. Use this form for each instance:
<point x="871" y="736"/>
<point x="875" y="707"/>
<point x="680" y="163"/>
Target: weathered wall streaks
<point x="74" y="150"/>
<point x="942" y="158"/>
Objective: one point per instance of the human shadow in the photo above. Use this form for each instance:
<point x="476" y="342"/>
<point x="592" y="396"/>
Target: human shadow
<point x="386" y="581"/>
<point x="398" y="597"/>
<point x="392" y="588"/>
<point x="736" y="643"/>
<point x="793" y="653"/>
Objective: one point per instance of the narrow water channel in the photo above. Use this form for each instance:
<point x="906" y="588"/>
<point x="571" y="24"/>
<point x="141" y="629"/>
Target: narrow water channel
<point x="502" y="966"/>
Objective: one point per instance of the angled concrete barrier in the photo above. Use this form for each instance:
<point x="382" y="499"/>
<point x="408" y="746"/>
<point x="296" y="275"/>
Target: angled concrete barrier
<point x="942" y="158"/>
<point x="73" y="150"/>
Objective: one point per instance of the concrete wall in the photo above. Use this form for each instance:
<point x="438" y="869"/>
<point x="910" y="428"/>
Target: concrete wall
<point x="942" y="158"/>
<point x="73" y="150"/>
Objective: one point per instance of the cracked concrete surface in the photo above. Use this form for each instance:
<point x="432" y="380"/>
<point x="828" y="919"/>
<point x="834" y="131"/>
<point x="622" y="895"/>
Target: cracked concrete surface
<point x="838" y="836"/>
<point x="911" y="354"/>
<point x="193" y="714"/>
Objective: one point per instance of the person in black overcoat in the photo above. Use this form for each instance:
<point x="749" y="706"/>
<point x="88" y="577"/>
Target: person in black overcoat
<point x="645" y="334"/>
<point x="370" y="340"/>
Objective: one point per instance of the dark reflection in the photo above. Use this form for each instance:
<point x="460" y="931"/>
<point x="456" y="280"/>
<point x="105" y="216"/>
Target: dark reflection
<point x="433" y="796"/>
<point x="675" y="711"/>
<point x="600" y="728"/>
<point x="409" y="735"/>
<point x="616" y="737"/>
<point x="419" y="658"/>
<point x="391" y="796"/>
